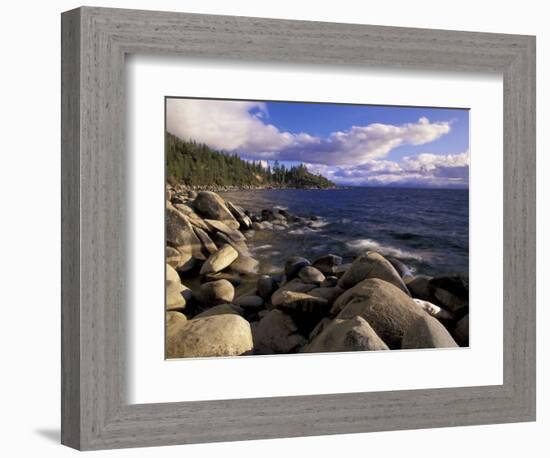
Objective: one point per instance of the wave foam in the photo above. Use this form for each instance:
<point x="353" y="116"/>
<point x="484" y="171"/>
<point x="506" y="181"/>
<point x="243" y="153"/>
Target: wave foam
<point x="388" y="250"/>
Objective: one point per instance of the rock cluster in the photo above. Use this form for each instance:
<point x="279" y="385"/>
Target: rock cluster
<point x="323" y="305"/>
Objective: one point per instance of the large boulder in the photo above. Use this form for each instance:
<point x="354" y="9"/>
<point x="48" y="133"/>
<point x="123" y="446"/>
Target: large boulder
<point x="173" y="257"/>
<point x="371" y="265"/>
<point x="293" y="266"/>
<point x="451" y="292"/>
<point x="217" y="335"/>
<point x="427" y="332"/>
<point x="402" y="269"/>
<point x="174" y="296"/>
<point x="211" y="206"/>
<point x="171" y="274"/>
<point x="418" y="287"/>
<point x="221" y="239"/>
<point x="242" y="218"/>
<point x="216" y="292"/>
<point x="249" y="302"/>
<point x="326" y="264"/>
<point x="353" y="334"/>
<point x="309" y="274"/>
<point x="221" y="259"/>
<point x="384" y="306"/>
<point x="276" y="332"/>
<point x="329" y="293"/>
<point x="180" y="234"/>
<point x="462" y="331"/>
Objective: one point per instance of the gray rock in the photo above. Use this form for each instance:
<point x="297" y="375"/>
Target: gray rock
<point x="244" y="221"/>
<point x="222" y="309"/>
<point x="185" y="209"/>
<point x="353" y="334"/>
<point x="302" y="302"/>
<point x="275" y="333"/>
<point x="216" y="292"/>
<point x="211" y="206"/>
<point x="219" y="226"/>
<point x="384" y="306"/>
<point x="221" y="239"/>
<point x="327" y="263"/>
<point x="171" y="274"/>
<point x="232" y="277"/>
<point x="197" y="221"/>
<point x="207" y="243"/>
<point x="462" y="331"/>
<point x="371" y="265"/>
<point x="246" y="265"/>
<point x="217" y="335"/>
<point x="427" y="332"/>
<point x="249" y="302"/>
<point x="339" y="271"/>
<point x="180" y="234"/>
<point x="319" y="328"/>
<point x="172" y="256"/>
<point x="266" y="286"/>
<point x="221" y="259"/>
<point x="309" y="274"/>
<point x="175" y="324"/>
<point x="293" y="266"/>
<point x="186" y="263"/>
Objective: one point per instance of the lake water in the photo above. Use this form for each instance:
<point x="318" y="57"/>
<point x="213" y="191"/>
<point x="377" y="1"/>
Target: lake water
<point x="427" y="229"/>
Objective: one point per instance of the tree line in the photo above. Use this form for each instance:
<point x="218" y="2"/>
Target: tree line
<point x="196" y="164"/>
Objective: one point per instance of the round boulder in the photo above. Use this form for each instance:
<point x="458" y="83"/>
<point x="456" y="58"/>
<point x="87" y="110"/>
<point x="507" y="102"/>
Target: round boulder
<point x="276" y="332"/>
<point x="221" y="259"/>
<point x="309" y="274"/>
<point x="427" y="332"/>
<point x="217" y="335"/>
<point x="210" y="205"/>
<point x="216" y="292"/>
<point x="293" y="266"/>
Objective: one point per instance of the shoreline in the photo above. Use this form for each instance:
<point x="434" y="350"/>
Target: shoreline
<point x="213" y="278"/>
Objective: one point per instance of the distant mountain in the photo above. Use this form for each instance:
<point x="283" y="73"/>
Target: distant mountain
<point x="195" y="164"/>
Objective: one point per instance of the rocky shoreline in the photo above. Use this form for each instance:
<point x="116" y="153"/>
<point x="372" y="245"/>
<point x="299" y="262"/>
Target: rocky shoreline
<point x="217" y="304"/>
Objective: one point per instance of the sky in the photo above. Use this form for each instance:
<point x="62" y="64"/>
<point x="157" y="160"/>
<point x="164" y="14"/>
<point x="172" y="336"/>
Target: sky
<point x="352" y="145"/>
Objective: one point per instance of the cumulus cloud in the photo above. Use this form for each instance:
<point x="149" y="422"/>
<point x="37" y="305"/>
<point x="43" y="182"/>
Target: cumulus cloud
<point x="243" y="127"/>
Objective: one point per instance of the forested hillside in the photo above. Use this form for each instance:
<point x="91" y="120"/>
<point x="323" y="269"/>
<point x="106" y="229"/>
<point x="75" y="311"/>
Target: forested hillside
<point x="196" y="164"/>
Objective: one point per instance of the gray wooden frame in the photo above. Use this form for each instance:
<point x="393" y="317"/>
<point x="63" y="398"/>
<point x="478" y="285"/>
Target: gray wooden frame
<point x="95" y="413"/>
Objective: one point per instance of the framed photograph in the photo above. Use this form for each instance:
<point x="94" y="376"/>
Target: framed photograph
<point x="280" y="228"/>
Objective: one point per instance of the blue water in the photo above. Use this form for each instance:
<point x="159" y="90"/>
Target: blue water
<point x="427" y="229"/>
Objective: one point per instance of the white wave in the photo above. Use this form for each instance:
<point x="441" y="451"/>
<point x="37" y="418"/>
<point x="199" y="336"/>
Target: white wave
<point x="262" y="247"/>
<point x="301" y="231"/>
<point x="388" y="250"/>
<point x="318" y="224"/>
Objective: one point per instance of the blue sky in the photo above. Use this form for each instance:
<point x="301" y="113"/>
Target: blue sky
<point x="358" y="145"/>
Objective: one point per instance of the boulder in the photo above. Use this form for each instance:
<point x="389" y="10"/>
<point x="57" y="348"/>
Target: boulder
<point x="302" y="302"/>
<point x="249" y="302"/>
<point x="462" y="331"/>
<point x="216" y="292"/>
<point x="172" y="257"/>
<point x="309" y="274"/>
<point x="266" y="286"/>
<point x="219" y="226"/>
<point x="221" y="309"/>
<point x="427" y="332"/>
<point x="221" y="239"/>
<point x="221" y="259"/>
<point x="371" y="265"/>
<point x="383" y="305"/>
<point x="175" y="323"/>
<point x="238" y="213"/>
<point x="329" y="282"/>
<point x="451" y="292"/>
<point x="197" y="221"/>
<point x="232" y="277"/>
<point x="180" y="234"/>
<point x="246" y="265"/>
<point x="207" y="243"/>
<point x="185" y="209"/>
<point x="293" y="266"/>
<point x="353" y="334"/>
<point x="217" y="335"/>
<point x="211" y="206"/>
<point x="339" y="271"/>
<point x="319" y="328"/>
<point x="275" y="333"/>
<point x="326" y="264"/>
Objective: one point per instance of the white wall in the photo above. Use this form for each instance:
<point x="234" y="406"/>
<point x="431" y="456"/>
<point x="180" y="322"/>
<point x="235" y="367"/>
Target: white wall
<point x="29" y="244"/>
